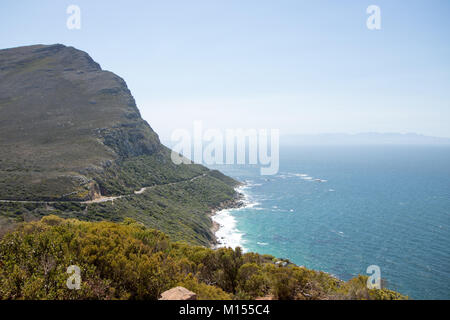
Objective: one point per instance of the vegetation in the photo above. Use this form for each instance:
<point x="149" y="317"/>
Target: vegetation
<point x="179" y="209"/>
<point x="129" y="261"/>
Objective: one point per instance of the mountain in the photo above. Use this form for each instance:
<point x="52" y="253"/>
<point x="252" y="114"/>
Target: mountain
<point x="370" y="138"/>
<point x="73" y="143"/>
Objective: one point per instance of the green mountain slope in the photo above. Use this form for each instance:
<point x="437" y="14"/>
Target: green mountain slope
<point x="71" y="132"/>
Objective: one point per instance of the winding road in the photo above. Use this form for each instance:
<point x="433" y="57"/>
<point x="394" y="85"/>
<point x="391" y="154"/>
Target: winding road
<point x="104" y="198"/>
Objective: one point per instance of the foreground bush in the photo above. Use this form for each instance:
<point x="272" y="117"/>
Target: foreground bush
<point x="128" y="261"/>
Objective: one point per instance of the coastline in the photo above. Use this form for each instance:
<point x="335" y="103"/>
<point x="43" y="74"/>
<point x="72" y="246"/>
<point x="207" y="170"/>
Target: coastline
<point x="224" y="224"/>
<point x="235" y="203"/>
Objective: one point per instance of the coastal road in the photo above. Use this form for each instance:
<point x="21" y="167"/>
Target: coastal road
<point x="104" y="198"/>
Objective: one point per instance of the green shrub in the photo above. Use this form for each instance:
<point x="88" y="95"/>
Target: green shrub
<point x="129" y="261"/>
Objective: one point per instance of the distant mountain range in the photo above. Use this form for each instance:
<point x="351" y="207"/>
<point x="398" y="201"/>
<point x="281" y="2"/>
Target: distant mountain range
<point x="370" y="138"/>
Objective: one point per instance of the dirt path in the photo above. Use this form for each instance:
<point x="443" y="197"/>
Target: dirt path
<point x="106" y="199"/>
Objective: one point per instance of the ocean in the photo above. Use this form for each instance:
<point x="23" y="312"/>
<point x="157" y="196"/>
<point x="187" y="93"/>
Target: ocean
<point x="340" y="209"/>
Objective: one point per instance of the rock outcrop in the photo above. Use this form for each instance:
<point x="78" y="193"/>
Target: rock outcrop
<point x="178" y="293"/>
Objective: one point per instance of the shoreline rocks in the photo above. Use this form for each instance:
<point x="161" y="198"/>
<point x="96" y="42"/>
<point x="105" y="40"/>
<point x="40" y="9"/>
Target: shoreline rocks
<point x="235" y="203"/>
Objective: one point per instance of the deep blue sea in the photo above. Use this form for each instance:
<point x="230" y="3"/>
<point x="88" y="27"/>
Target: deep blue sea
<point x="340" y="209"/>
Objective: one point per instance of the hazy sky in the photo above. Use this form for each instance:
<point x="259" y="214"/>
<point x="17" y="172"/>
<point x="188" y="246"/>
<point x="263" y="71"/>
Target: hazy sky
<point x="300" y="66"/>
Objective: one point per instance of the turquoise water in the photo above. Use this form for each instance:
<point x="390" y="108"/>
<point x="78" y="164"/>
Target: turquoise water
<point x="385" y="206"/>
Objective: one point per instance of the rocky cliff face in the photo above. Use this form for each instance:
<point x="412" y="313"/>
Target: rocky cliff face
<point x="60" y="113"/>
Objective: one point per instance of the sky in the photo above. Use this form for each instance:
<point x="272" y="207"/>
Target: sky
<point x="303" y="67"/>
